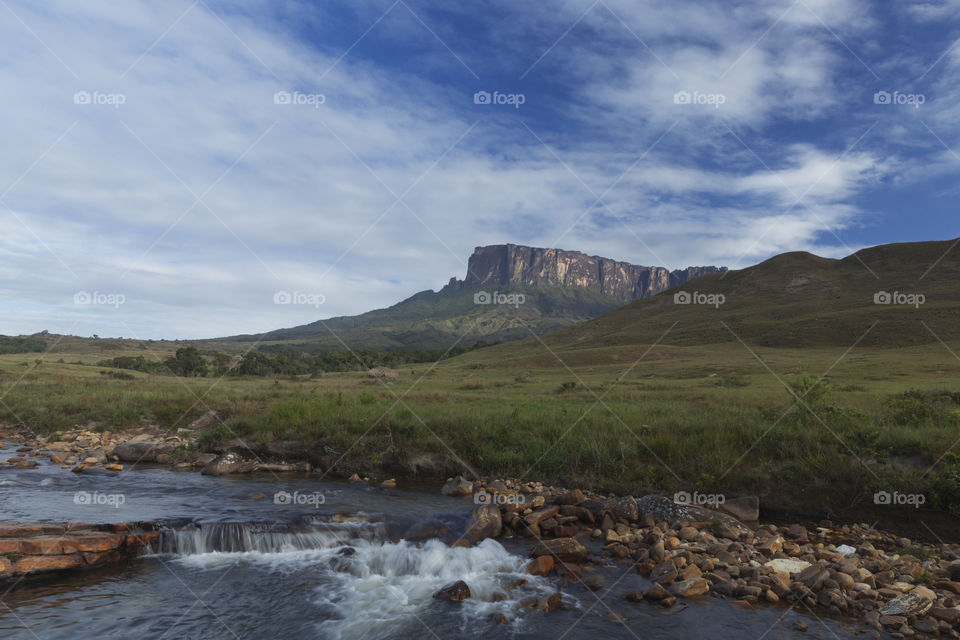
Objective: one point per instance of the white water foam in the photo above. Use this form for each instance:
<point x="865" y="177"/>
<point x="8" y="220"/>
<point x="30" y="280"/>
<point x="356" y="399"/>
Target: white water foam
<point x="381" y="589"/>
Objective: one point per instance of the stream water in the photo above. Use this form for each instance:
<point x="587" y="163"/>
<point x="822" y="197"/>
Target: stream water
<point x="330" y="561"/>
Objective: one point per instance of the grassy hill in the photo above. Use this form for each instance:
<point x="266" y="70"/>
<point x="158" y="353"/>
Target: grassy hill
<point x="438" y="320"/>
<point x="794" y="300"/>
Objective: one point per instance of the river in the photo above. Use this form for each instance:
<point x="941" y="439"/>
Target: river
<point x="332" y="562"/>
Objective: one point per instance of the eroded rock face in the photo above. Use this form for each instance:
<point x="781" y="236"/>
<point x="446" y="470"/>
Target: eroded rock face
<point x="506" y="264"/>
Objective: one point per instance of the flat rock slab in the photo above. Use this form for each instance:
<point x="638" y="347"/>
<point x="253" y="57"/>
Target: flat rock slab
<point x="29" y="549"/>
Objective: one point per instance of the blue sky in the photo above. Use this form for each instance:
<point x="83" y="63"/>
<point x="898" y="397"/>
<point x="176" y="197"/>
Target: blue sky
<point x="152" y="157"/>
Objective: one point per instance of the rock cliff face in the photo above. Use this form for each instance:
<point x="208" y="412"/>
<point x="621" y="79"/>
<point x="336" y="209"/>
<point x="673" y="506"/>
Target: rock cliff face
<point x="506" y="264"/>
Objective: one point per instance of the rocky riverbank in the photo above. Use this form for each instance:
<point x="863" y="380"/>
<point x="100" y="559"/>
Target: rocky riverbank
<point x="888" y="581"/>
<point x="689" y="552"/>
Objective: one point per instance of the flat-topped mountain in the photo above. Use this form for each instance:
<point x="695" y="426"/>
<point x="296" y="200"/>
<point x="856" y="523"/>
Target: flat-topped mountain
<point x="551" y="289"/>
<point x="511" y="264"/>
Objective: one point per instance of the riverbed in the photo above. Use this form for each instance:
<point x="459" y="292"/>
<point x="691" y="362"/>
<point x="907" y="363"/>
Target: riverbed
<point x="289" y="556"/>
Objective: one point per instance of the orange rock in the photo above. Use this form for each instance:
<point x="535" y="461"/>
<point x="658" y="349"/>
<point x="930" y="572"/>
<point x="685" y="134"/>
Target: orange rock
<point x="114" y="467"/>
<point x="33" y="564"/>
<point x="142" y="539"/>
<point x="95" y="558"/>
<point x="541" y="566"/>
<point x="43" y="545"/>
<point x="92" y="542"/>
<point x="9" y="546"/>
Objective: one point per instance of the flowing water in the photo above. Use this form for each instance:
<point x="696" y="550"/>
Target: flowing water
<point x="329" y="561"/>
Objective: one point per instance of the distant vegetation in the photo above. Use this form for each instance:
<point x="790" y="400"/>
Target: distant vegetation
<point x="10" y="344"/>
<point x="191" y="362"/>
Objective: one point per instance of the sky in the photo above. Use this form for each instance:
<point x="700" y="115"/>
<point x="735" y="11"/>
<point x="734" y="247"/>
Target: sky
<point x="201" y="168"/>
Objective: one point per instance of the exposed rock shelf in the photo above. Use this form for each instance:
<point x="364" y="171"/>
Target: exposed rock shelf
<point x="31" y="549"/>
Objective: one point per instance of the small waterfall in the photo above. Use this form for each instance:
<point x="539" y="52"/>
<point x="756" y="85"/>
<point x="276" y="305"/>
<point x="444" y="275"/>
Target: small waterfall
<point x="234" y="537"/>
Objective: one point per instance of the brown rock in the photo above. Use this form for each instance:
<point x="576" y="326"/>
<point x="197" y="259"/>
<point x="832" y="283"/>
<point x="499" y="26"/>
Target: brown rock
<point x="36" y="564"/>
<point x="541" y="566"/>
<point x="564" y="549"/>
<point x="455" y="592"/>
<point x="457" y="487"/>
<point x="540" y="515"/>
<point x="689" y="588"/>
<point x="485" y="523"/>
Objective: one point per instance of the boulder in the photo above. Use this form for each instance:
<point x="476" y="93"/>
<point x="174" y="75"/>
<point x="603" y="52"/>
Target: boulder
<point x="909" y="604"/>
<point x="223" y="465"/>
<point x="457" y="487"/>
<point x="143" y="451"/>
<point x="563" y="549"/>
<point x="484" y="523"/>
<point x="689" y="588"/>
<point x="455" y="592"/>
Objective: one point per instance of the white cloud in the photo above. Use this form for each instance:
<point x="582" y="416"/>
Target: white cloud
<point x="292" y="195"/>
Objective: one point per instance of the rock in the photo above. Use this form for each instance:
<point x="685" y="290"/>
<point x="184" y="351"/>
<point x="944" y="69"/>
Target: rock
<point x="909" y="604"/>
<point x="773" y="545"/>
<point x="550" y="603"/>
<point x="455" y="592"/>
<point x="572" y="498"/>
<point x="114" y="467"/>
<point x="893" y="621"/>
<point x="90" y="461"/>
<point x="382" y="373"/>
<point x="541" y="566"/>
<point x="800" y="625"/>
<point x="457" y="487"/>
<point x="925" y="625"/>
<point x="563" y="549"/>
<point x="635" y="596"/>
<point x="223" y="465"/>
<point x="813" y="576"/>
<point x="656" y="592"/>
<point x="140" y="451"/>
<point x="689" y="588"/>
<point x="665" y="572"/>
<point x="389" y="484"/>
<point x="745" y="509"/>
<point x="846" y="550"/>
<point x="26" y="464"/>
<point x="485" y="523"/>
<point x="538" y="516"/>
<point x="951" y="616"/>
<point x="788" y="566"/>
<point x="623" y="508"/>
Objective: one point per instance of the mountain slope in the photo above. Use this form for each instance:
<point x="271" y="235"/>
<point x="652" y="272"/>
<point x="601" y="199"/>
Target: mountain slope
<point x="551" y="289"/>
<point x="791" y="300"/>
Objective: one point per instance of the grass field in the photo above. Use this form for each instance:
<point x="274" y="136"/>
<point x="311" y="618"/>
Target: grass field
<point x="715" y="418"/>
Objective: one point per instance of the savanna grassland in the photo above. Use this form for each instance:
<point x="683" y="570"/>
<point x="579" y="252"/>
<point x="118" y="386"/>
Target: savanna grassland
<point x="719" y="419"/>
